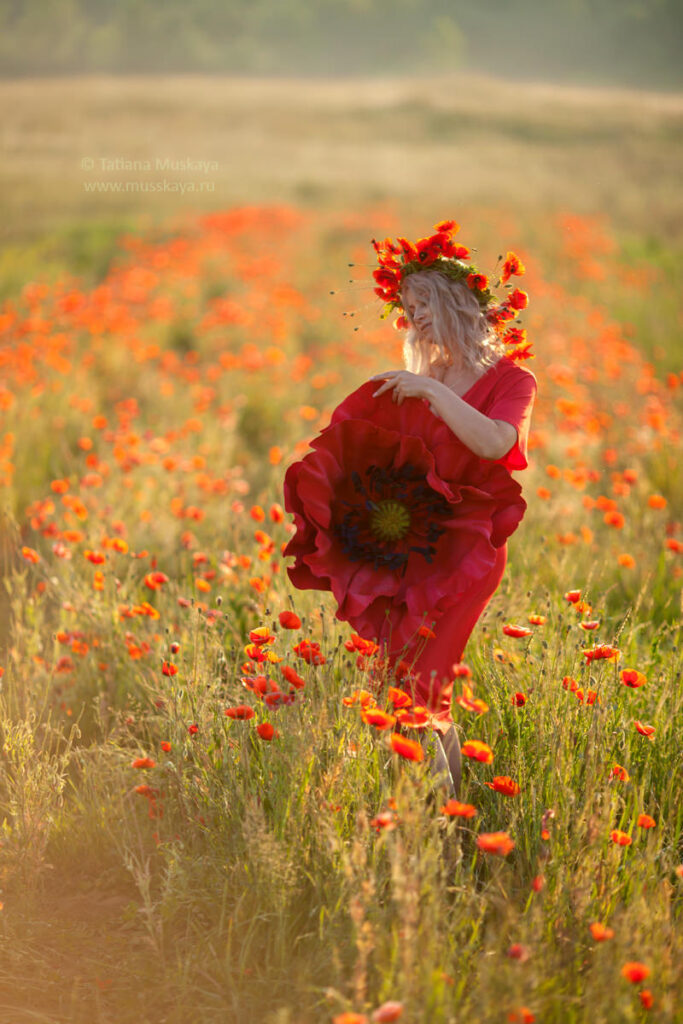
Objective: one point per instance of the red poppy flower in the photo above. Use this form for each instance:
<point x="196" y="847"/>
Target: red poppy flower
<point x="265" y="731"/>
<point x="378" y="718"/>
<point x="644" y="730"/>
<point x="620" y="838"/>
<point x="495" y="842"/>
<point x="395" y="516"/>
<point x="241" y="711"/>
<point x="143" y="762"/>
<point x="635" y="972"/>
<point x="454" y="809"/>
<point x="518" y="299"/>
<point x="517" y="631"/>
<point x="512" y="265"/>
<point x="645" y="821"/>
<point x="602" y="651"/>
<point x="505" y="785"/>
<point x="410" y="749"/>
<point x="478" y="751"/>
<point x="600" y="932"/>
<point x="620" y="773"/>
<point x="289" y="620"/>
<point x="631" y="677"/>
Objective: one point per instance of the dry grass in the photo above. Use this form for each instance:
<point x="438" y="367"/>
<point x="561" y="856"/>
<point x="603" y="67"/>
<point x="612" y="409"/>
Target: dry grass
<point x="461" y="140"/>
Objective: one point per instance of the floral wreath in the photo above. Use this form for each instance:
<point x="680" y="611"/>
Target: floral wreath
<point x="397" y="260"/>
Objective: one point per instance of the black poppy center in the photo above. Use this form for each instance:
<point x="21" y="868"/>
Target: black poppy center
<point x="392" y="514"/>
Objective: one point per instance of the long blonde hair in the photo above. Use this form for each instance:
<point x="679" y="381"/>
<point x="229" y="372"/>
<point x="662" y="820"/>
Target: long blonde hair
<point x="457" y="323"/>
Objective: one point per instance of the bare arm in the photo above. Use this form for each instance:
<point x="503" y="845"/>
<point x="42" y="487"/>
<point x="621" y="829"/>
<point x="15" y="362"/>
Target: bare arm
<point x="490" y="439"/>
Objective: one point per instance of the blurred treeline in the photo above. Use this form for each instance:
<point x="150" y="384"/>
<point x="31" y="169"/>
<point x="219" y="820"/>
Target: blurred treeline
<point x="630" y="42"/>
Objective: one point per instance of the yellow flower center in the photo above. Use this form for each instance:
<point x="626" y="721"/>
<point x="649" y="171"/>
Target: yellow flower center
<point x="389" y="520"/>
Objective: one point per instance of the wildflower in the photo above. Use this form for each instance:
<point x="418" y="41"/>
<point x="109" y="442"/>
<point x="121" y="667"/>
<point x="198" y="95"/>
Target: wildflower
<point x="518" y="952"/>
<point x="193" y="729"/>
<point x="265" y="730"/>
<point x="387" y="1012"/>
<point x="30" y="555"/>
<point x="620" y="773"/>
<point x="469" y="702"/>
<point x="147" y="791"/>
<point x="573" y="596"/>
<point x="454" y="809"/>
<point x="399" y="698"/>
<point x="499" y="843"/>
<point x="512" y="265"/>
<point x="407" y="748"/>
<point x="362" y="697"/>
<point x="478" y="751"/>
<point x="537" y="883"/>
<point x="260" y="636"/>
<point x="165" y="746"/>
<point x="645" y="821"/>
<point x="505" y="785"/>
<point x="426" y="632"/>
<point x="349" y="1017"/>
<point x="590" y="625"/>
<point x="620" y="838"/>
<point x="155" y="580"/>
<point x="309" y="650"/>
<point x="292" y="677"/>
<point x="600" y="932"/>
<point x="518" y="699"/>
<point x="385" y="821"/>
<point x="602" y="651"/>
<point x="537" y="620"/>
<point x="521" y="1016"/>
<point x="289" y="620"/>
<point x="379" y="719"/>
<point x="631" y="677"/>
<point x="646" y="999"/>
<point x="644" y="730"/>
<point x="143" y="762"/>
<point x="241" y="712"/>
<point x="168" y="668"/>
<point x="517" y="631"/>
<point x="518" y="299"/>
<point x="569" y="683"/>
<point x="635" y="972"/>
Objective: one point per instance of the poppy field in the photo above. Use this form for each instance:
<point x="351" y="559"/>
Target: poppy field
<point x="209" y="809"/>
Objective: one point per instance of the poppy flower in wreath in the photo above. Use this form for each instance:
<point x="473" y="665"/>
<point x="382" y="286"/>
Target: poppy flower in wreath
<point x="395" y="516"/>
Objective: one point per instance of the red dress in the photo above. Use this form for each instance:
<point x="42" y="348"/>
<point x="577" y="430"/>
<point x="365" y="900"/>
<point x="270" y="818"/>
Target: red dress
<point x="406" y="525"/>
<point x="505" y="392"/>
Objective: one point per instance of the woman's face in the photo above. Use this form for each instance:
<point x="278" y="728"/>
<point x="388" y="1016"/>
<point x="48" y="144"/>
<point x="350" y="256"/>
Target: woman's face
<point x="420" y="313"/>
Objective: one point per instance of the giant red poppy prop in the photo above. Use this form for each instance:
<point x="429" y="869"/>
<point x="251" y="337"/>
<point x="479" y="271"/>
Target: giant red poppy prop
<point x="395" y="515"/>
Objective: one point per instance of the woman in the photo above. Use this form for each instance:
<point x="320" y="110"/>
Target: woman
<point x="456" y="363"/>
<point x="404" y="506"/>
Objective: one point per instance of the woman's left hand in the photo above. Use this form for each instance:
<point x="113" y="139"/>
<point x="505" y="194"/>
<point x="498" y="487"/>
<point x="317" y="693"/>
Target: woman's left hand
<point x="405" y="385"/>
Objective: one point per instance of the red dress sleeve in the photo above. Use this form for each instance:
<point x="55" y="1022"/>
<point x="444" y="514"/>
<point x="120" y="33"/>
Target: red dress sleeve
<point x="513" y="401"/>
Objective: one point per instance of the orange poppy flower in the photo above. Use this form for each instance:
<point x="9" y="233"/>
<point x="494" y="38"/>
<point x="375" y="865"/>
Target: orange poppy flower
<point x="600" y="932"/>
<point x="647" y="1000"/>
<point x="517" y="631"/>
<point x="261" y="635"/>
<point x="537" y="620"/>
<point x="410" y="749"/>
<point x="292" y="677"/>
<point x="377" y="718"/>
<point x="478" y="751"/>
<point x="620" y="838"/>
<point x="521" y="1016"/>
<point x="644" y="730"/>
<point x="620" y="773"/>
<point x="573" y="596"/>
<point x="505" y="785"/>
<point x="645" y="821"/>
<point x="349" y="1017"/>
<point x="454" y="809"/>
<point x="30" y="555"/>
<point x="499" y="843"/>
<point x="425" y="631"/>
<point x="143" y="762"/>
<point x="399" y="698"/>
<point x="165" y="746"/>
<point x="631" y="677"/>
<point x="635" y="972"/>
<point x="361" y="697"/>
